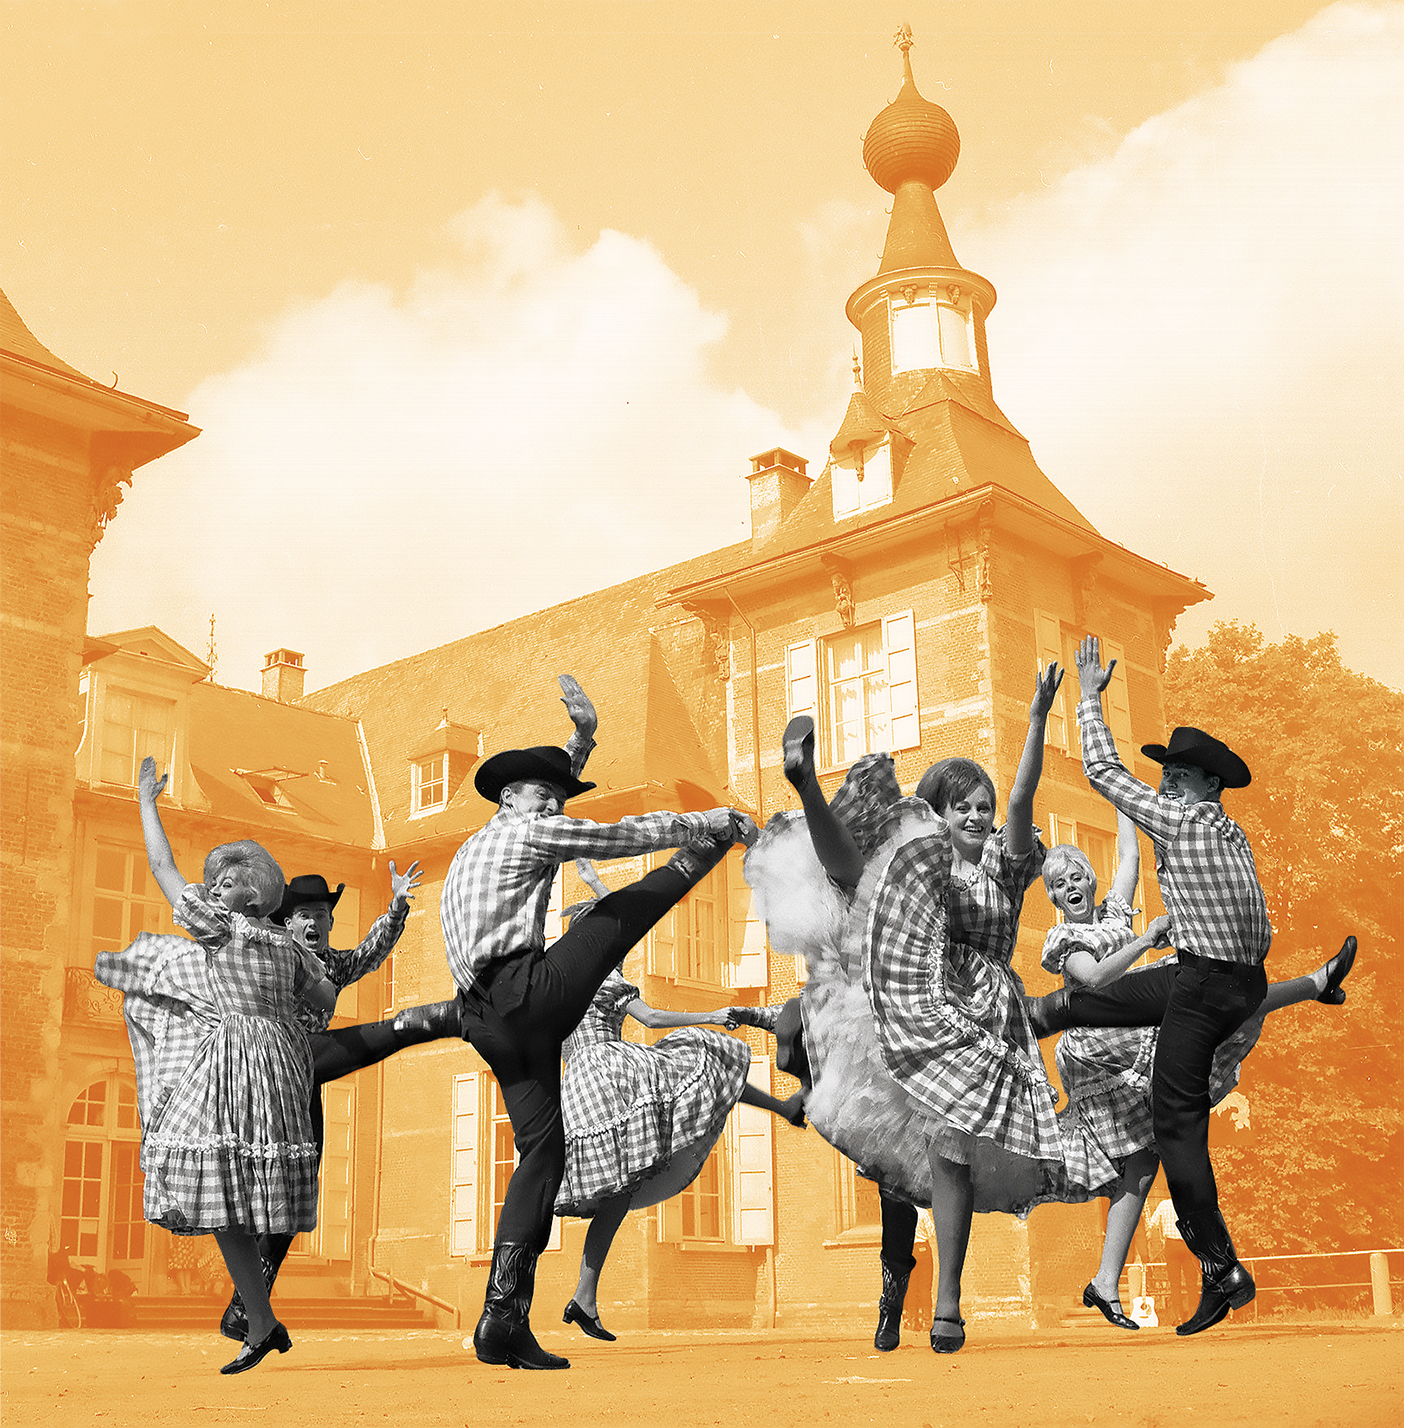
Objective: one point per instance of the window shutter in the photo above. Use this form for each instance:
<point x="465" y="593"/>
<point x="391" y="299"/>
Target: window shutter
<point x="751" y="1159"/>
<point x="747" y="961"/>
<point x="1048" y="636"/>
<point x="663" y="946"/>
<point x="670" y="1221"/>
<point x="802" y="680"/>
<point x="553" y="908"/>
<point x="1117" y="703"/>
<point x="463" y="1179"/>
<point x="334" y="1198"/>
<point x="899" y="643"/>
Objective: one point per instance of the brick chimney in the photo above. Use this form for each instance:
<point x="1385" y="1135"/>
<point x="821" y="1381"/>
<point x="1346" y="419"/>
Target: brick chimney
<point x="778" y="484"/>
<point x="283" y="676"/>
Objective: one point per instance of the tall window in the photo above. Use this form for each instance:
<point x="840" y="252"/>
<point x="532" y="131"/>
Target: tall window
<point x="927" y="333"/>
<point x="860" y="686"/>
<point x="133" y="727"/>
<point x="429" y="784"/>
<point x="100" y="1203"/>
<point x="484" y="1156"/>
<point x="702" y="1203"/>
<point x="1058" y="643"/>
<point x="125" y="897"/>
<point x="858" y="1204"/>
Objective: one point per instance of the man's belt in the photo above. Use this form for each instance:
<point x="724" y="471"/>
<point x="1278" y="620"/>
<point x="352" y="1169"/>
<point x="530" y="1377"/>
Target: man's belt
<point x="1216" y="966"/>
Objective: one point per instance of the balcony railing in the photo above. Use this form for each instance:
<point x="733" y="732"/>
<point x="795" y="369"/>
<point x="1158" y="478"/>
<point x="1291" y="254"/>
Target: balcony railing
<point x="85" y="999"/>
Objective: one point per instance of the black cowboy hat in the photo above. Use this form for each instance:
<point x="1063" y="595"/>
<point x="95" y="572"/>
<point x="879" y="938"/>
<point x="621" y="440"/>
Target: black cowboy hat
<point x="544" y="764"/>
<point x="1203" y="751"/>
<point x="304" y="889"/>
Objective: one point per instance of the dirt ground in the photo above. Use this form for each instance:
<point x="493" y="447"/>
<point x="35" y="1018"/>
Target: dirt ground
<point x="1252" y="1376"/>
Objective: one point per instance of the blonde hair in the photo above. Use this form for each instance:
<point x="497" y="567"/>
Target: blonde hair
<point x="1064" y="855"/>
<point x="253" y="865"/>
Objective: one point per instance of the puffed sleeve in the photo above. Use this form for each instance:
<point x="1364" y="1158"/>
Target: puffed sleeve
<point x="1014" y="872"/>
<point x="1062" y="941"/>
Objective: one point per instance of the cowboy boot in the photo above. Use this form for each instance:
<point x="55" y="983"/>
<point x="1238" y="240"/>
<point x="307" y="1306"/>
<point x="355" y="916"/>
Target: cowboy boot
<point x="890" y="1302"/>
<point x="503" y="1335"/>
<point x="1050" y="1014"/>
<point x="434" y="1022"/>
<point x="234" y="1322"/>
<point x="1226" y="1284"/>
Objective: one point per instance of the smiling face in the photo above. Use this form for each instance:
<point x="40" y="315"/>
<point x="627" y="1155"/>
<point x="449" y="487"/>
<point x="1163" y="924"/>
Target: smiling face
<point x="310" y="925"/>
<point x="232" y="890"/>
<point x="971" y="818"/>
<point x="1072" y="886"/>
<point x="1188" y="784"/>
<point x="534" y="796"/>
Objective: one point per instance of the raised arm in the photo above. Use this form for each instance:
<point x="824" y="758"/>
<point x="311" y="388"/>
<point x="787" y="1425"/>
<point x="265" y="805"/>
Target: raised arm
<point x="379" y="942"/>
<point x="1100" y="760"/>
<point x="1128" y="859"/>
<point x="656" y="1019"/>
<point x="1018" y="820"/>
<point x="583" y="716"/>
<point x="563" y="838"/>
<point x="158" y="846"/>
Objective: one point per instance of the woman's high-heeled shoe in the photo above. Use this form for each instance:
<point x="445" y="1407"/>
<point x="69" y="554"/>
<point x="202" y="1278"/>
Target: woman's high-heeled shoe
<point x="798" y="745"/>
<point x="574" y="1314"/>
<point x="1111" y="1309"/>
<point x="1336" y="970"/>
<point x="947" y="1343"/>
<point x="251" y="1355"/>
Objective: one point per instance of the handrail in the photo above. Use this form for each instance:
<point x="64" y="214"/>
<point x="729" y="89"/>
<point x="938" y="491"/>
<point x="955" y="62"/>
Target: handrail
<point x="418" y="1294"/>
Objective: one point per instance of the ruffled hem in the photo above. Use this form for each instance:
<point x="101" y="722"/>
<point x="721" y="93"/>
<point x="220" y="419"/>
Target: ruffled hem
<point x="646" y="1136"/>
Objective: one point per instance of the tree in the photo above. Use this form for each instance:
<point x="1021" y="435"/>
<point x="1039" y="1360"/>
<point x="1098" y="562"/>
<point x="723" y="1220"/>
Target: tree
<point x="1318" y="1166"/>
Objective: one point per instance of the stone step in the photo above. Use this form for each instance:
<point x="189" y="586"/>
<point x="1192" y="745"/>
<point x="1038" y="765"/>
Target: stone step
<point x="193" y="1311"/>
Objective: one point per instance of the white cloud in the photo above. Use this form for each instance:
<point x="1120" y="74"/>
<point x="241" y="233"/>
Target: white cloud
<point x="1203" y="338"/>
<point x="392" y="472"/>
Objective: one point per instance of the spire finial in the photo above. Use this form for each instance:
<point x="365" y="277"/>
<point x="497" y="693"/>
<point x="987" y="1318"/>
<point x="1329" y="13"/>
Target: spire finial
<point x="904" y="42"/>
<point x="857" y="371"/>
<point x="211" y="652"/>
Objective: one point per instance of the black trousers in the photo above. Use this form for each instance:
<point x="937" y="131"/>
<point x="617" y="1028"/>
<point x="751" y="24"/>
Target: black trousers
<point x="336" y="1053"/>
<point x="1197" y="1004"/>
<point x="519" y="1013"/>
<point x="899" y="1227"/>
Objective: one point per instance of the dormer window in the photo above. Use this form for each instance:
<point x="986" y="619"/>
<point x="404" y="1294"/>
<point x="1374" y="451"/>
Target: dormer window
<point x="133" y="727"/>
<point x="429" y="784"/>
<point x="862" y="479"/>
<point x="439" y="765"/>
<point x="931" y="327"/>
<point x="267" y="785"/>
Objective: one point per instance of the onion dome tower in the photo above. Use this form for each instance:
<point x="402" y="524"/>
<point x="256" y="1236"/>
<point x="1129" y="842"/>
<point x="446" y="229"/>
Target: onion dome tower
<point x="923" y="312"/>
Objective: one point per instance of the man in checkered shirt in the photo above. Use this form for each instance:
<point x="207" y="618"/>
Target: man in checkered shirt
<point x="520" y="999"/>
<point x="1220" y="929"/>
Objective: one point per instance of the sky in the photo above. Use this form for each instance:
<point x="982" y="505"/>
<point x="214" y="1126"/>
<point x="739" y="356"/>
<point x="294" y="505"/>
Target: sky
<point x="483" y="306"/>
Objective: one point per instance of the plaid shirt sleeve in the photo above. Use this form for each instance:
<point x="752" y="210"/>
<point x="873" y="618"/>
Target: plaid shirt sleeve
<point x="343" y="968"/>
<point x="1160" y="818"/>
<point x="560" y="838"/>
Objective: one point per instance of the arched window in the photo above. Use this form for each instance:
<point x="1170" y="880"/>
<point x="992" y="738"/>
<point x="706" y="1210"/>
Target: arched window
<point x="100" y="1218"/>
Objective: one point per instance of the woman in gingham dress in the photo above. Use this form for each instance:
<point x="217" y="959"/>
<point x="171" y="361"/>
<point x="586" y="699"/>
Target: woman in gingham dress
<point x="223" y="1069"/>
<point x="1108" y="1135"/>
<point x="640" y="1120"/>
<point x="926" y="1072"/>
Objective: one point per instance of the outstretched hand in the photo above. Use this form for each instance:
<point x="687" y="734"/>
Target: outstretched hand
<point x="403" y="885"/>
<point x="1158" y="930"/>
<point x="1090" y="674"/>
<point x="578" y="706"/>
<point x="1045" y="691"/>
<point x="148" y="788"/>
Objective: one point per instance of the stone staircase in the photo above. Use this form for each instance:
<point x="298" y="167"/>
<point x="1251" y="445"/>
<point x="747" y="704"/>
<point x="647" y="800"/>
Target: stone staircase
<point x="198" y="1311"/>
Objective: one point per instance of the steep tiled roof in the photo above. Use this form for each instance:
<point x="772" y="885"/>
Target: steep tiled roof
<point x="19" y="341"/>
<point x="502" y="681"/>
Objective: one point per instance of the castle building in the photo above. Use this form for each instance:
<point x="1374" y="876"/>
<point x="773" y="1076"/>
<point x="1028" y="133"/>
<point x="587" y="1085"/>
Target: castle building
<point x="68" y="446"/>
<point x="905" y="596"/>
